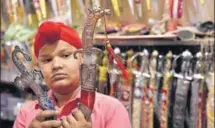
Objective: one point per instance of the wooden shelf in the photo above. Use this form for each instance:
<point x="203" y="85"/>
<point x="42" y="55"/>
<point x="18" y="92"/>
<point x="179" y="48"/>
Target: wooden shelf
<point x="144" y="40"/>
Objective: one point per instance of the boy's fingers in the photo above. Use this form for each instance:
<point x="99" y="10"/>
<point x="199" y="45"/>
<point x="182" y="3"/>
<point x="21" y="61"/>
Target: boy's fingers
<point x="65" y="123"/>
<point x="79" y="116"/>
<point x="71" y="119"/>
<point x="51" y="124"/>
<point x="47" y="113"/>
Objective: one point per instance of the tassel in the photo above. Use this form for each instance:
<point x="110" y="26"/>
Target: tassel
<point x="119" y="63"/>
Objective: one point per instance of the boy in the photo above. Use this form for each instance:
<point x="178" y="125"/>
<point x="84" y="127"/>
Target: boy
<point x="54" y="46"/>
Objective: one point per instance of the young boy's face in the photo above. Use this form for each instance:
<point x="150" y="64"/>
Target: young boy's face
<point x="58" y="66"/>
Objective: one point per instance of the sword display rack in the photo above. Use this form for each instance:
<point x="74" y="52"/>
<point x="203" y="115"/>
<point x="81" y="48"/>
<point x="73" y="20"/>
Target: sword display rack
<point x="171" y="88"/>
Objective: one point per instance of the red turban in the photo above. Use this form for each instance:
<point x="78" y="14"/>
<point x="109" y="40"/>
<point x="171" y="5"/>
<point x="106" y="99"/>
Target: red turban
<point x="50" y="32"/>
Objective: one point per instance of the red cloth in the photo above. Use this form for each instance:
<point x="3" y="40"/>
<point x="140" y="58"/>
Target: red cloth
<point x="50" y="32"/>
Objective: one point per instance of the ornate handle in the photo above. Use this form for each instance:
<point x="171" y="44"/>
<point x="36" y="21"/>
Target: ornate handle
<point x="16" y="60"/>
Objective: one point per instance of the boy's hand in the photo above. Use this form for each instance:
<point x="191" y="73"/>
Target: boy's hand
<point x="39" y="120"/>
<point x="76" y="120"/>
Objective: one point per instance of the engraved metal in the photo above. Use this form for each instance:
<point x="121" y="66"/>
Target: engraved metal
<point x="27" y="79"/>
<point x="88" y="68"/>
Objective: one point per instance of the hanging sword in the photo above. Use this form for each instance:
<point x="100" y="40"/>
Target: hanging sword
<point x="151" y="88"/>
<point x="165" y="91"/>
<point x="140" y="81"/>
<point x="210" y="83"/>
<point x="184" y="79"/>
<point x="196" y="89"/>
<point x="159" y="77"/>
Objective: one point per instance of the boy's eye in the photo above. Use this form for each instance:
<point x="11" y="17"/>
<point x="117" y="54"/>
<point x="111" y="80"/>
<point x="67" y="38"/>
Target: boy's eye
<point x="47" y="60"/>
<point x="66" y="55"/>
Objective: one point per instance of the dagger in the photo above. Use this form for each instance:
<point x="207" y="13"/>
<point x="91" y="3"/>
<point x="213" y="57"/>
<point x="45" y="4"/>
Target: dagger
<point x="27" y="79"/>
<point x="88" y="68"/>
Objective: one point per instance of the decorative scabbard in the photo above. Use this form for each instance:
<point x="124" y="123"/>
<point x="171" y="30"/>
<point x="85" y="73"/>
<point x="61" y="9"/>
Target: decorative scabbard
<point x="27" y="80"/>
<point x="88" y="69"/>
<point x="151" y="89"/>
<point x="165" y="92"/>
<point x="184" y="80"/>
<point x="159" y="78"/>
<point x="196" y="94"/>
<point x="141" y="81"/>
<point x="196" y="102"/>
<point x="210" y="102"/>
<point x="180" y="103"/>
<point x="88" y="82"/>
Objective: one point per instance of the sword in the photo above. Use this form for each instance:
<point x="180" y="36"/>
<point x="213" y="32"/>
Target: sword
<point x="196" y="88"/>
<point x="126" y="87"/>
<point x="184" y="79"/>
<point x="204" y="90"/>
<point x="141" y="80"/>
<point x="88" y="68"/>
<point x="159" y="77"/>
<point x="210" y="100"/>
<point x="152" y="88"/>
<point x="131" y="66"/>
<point x="27" y="80"/>
<point x="165" y="91"/>
<point x="115" y="74"/>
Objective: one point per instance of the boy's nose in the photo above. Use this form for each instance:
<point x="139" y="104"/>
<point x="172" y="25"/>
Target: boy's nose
<point x="56" y="63"/>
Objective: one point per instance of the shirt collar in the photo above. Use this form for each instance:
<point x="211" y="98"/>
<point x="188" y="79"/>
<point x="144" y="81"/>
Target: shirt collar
<point x="52" y="97"/>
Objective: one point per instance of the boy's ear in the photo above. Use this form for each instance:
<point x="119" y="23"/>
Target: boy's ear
<point x="81" y="58"/>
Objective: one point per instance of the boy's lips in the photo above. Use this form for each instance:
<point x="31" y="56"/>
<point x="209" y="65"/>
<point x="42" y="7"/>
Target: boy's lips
<point x="57" y="76"/>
